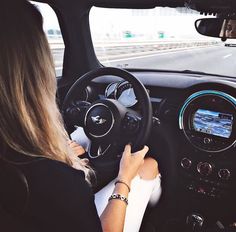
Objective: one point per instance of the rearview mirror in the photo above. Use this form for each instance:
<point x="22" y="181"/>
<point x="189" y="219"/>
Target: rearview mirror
<point x="216" y="27"/>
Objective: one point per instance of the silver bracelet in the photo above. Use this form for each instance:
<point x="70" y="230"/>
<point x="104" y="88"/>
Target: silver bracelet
<point x="119" y="197"/>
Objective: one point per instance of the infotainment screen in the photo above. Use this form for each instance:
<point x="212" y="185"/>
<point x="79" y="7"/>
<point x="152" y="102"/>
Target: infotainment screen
<point x="213" y="123"/>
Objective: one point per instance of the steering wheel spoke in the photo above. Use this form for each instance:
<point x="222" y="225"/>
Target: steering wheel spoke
<point x="99" y="149"/>
<point x="74" y="114"/>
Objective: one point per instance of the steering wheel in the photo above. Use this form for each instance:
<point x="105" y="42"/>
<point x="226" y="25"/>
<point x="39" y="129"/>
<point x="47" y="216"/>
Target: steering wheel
<point x="106" y="122"/>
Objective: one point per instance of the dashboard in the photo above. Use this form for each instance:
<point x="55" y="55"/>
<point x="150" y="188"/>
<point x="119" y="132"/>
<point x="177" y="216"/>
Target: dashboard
<point x="195" y="136"/>
<point x="206" y="117"/>
<point x="203" y="106"/>
<point x="207" y="121"/>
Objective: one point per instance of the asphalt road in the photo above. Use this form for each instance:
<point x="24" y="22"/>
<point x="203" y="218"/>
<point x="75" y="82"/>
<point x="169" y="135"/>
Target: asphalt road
<point x="215" y="60"/>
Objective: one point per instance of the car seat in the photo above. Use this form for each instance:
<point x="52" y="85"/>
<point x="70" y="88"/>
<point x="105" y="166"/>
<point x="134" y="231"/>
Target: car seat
<point x="14" y="196"/>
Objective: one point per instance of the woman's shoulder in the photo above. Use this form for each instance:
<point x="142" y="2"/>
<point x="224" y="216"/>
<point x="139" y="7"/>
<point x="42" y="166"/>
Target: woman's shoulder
<point x="48" y="170"/>
<point x="45" y="173"/>
<point x="23" y="161"/>
<point x="61" y="193"/>
<point x="46" y="165"/>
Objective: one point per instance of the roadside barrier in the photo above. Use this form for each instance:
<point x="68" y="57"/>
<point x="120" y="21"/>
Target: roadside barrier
<point x="113" y="49"/>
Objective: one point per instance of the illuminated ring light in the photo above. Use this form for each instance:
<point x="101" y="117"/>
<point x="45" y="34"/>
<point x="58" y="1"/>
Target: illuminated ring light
<point x="203" y="93"/>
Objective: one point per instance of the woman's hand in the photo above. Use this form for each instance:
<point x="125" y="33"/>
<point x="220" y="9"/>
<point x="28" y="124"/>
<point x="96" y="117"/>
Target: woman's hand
<point x="130" y="163"/>
<point x="78" y="150"/>
<point x="113" y="217"/>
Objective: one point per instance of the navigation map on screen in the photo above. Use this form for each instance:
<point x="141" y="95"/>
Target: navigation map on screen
<point x="213" y="123"/>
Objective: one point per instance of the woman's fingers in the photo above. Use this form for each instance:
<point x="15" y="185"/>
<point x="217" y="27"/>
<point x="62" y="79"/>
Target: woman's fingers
<point x="146" y="148"/>
<point x="78" y="150"/>
<point x="131" y="162"/>
<point x="127" y="149"/>
<point x="142" y="152"/>
<point x="74" y="145"/>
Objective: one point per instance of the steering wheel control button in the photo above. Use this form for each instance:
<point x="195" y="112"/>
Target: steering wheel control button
<point x="205" y="169"/>
<point x="99" y="120"/>
<point x="131" y="123"/>
<point x="224" y="174"/>
<point x="74" y="114"/>
<point x="186" y="163"/>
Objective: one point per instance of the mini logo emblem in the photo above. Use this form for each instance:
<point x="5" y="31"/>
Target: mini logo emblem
<point x="98" y="120"/>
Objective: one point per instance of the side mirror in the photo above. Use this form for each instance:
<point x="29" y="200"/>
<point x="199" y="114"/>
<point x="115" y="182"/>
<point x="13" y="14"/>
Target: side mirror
<point x="217" y="27"/>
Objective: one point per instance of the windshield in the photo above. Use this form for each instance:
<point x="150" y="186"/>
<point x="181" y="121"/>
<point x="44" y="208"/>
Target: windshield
<point x="160" y="38"/>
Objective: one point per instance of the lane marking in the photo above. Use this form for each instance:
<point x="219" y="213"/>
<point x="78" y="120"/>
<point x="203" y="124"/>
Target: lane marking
<point x="227" y="56"/>
<point x="152" y="55"/>
<point x="58" y="64"/>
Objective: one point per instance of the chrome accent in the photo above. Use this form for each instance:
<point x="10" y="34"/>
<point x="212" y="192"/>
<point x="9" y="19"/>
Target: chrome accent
<point x="207" y="140"/>
<point x="120" y="84"/>
<point x="87" y="94"/>
<point x="112" y="124"/>
<point x="226" y="96"/>
<point x="107" y="88"/>
<point x="195" y="220"/>
<point x="183" y="163"/>
<point x="98" y="120"/>
<point x="204" y="165"/>
<point x="99" y="152"/>
<point x="196" y="95"/>
<point x="221" y="175"/>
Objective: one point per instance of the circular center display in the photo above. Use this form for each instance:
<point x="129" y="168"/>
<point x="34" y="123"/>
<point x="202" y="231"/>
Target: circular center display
<point x="207" y="119"/>
<point x="99" y="120"/>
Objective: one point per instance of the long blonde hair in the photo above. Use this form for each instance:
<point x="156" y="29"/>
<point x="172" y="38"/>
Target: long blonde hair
<point x="30" y="122"/>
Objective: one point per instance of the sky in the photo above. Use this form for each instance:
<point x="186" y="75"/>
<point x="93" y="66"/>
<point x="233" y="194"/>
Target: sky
<point x="146" y="25"/>
<point x="50" y="19"/>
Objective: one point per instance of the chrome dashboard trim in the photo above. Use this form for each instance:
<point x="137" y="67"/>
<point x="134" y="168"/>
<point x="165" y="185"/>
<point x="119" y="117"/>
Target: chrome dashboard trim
<point x="226" y="96"/>
<point x="196" y="95"/>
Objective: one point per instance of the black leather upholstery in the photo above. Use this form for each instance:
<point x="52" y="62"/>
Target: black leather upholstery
<point x="14" y="195"/>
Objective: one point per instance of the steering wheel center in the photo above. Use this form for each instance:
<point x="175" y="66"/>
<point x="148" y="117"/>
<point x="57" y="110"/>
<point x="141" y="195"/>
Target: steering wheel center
<point x="103" y="120"/>
<point x="99" y="120"/>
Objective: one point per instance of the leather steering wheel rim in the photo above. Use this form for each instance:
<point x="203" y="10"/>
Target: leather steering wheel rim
<point x="140" y="92"/>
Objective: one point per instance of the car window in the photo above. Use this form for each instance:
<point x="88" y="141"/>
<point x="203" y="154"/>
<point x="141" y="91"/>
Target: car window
<point x="53" y="32"/>
<point x="161" y="38"/>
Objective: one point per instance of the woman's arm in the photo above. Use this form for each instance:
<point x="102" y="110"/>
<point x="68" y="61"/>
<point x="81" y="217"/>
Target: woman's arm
<point x="113" y="217"/>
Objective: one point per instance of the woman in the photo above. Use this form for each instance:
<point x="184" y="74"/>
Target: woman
<point x="34" y="140"/>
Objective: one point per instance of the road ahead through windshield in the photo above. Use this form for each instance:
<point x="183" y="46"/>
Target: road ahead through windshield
<point x="197" y="59"/>
<point x="214" y="60"/>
